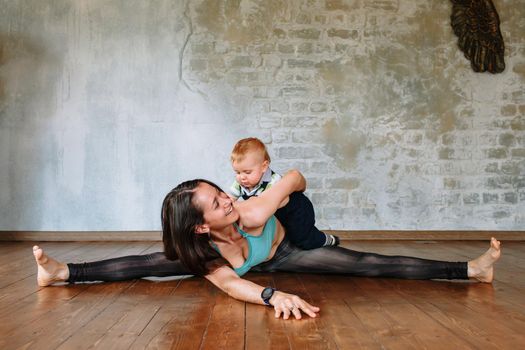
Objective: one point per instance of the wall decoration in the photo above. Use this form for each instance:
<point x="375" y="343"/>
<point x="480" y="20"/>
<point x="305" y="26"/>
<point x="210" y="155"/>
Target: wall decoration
<point x="476" y="23"/>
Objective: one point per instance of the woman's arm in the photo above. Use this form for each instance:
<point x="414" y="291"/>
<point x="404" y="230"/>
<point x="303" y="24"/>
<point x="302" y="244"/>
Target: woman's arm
<point x="227" y="280"/>
<point x="257" y="210"/>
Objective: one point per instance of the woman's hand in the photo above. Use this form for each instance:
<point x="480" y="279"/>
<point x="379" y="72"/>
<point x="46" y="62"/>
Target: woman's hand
<point x="286" y="304"/>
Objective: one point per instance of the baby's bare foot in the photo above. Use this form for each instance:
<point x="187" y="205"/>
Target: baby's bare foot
<point x="49" y="270"/>
<point x="482" y="268"/>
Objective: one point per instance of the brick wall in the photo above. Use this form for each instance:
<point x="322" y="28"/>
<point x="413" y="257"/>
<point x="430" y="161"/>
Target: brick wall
<point x="375" y="103"/>
<point x="107" y="105"/>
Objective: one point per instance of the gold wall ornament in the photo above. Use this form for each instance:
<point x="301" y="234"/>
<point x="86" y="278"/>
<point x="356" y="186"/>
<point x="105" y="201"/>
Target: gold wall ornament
<point x="476" y="23"/>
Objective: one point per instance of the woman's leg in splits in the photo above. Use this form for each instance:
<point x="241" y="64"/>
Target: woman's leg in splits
<point x="338" y="260"/>
<point x="117" y="269"/>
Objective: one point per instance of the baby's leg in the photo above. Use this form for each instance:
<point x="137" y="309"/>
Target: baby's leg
<point x="298" y="218"/>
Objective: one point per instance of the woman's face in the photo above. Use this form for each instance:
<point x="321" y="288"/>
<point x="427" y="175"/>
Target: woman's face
<point x="217" y="207"/>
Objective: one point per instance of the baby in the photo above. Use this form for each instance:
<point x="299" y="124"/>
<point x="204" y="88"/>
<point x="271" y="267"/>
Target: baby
<point x="251" y="163"/>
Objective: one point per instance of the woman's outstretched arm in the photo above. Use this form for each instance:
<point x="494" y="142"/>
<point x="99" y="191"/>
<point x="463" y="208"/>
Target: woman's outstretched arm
<point x="283" y="303"/>
<point x="257" y="210"/>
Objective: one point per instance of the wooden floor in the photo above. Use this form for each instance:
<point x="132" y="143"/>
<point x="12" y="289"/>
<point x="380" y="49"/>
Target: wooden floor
<point x="192" y="314"/>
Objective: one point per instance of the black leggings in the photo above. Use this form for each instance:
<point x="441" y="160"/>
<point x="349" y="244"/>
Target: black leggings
<point x="288" y="258"/>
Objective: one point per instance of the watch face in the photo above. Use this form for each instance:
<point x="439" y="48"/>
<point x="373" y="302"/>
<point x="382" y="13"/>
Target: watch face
<point x="267" y="293"/>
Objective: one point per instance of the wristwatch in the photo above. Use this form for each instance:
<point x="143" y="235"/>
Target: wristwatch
<point x="267" y="294"/>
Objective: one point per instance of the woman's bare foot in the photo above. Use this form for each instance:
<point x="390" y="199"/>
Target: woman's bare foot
<point x="482" y="268"/>
<point x="49" y="270"/>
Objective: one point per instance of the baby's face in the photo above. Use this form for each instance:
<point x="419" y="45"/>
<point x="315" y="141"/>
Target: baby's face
<point x="249" y="170"/>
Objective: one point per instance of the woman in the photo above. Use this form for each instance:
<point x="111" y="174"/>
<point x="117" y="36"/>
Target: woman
<point x="205" y="233"/>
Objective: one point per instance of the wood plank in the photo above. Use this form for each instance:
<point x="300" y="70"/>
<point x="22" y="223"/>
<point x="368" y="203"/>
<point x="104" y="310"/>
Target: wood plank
<point x="118" y="326"/>
<point x="225" y="329"/>
<point x="398" y="323"/>
<point x="191" y="313"/>
<point x="333" y="294"/>
<point x="37" y="308"/>
<point x="181" y="322"/>
<point x="262" y="329"/>
<point x="307" y="332"/>
<point x="453" y="306"/>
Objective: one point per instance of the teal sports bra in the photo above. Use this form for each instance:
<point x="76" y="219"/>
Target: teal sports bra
<point x="259" y="247"/>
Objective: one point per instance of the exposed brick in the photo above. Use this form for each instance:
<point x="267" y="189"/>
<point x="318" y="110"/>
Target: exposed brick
<point x="269" y="121"/>
<point x="519" y="182"/>
<point x="342" y="33"/>
<point x="518" y="123"/>
<point x="312" y="152"/>
<point x="280" y="106"/>
<point x="488" y="139"/>
<point x="265" y="135"/>
<point x="508" y="110"/>
<point x="299" y="107"/>
<point x="279" y="33"/>
<point x="202" y="48"/>
<point x="273" y="61"/>
<point x="342" y="183"/>
<point x="490" y="198"/>
<point x="451" y="184"/>
<point x="369" y="211"/>
<point x="510" y="197"/>
<point x="311" y="33"/>
<point x="314" y="183"/>
<point x="307" y="136"/>
<point x="518" y="153"/>
<point x="303" y="18"/>
<point x="331" y="198"/>
<point x="290" y="152"/>
<point x="507" y="139"/>
<point x="321" y="19"/>
<point x="414" y="139"/>
<point x="341" y="48"/>
<point x="497" y="153"/>
<point x="295" y="63"/>
<point x="501" y="214"/>
<point x="286" y="48"/>
<point x="451" y="198"/>
<point x="294" y="91"/>
<point x="491" y="168"/>
<point x="499" y="182"/>
<point x="266" y="48"/>
<point x="317" y="107"/>
<point x="242" y="77"/>
<point x="471" y="198"/>
<point x="321" y="168"/>
<point x="305" y="48"/>
<point x="512" y="168"/>
<point x="333" y="5"/>
<point x="241" y="62"/>
<point x="332" y="213"/>
<point x="280" y="136"/>
<point x="259" y="106"/>
<point x="300" y="122"/>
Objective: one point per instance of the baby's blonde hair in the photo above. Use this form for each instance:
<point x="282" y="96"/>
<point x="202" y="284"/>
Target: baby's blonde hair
<point x="250" y="144"/>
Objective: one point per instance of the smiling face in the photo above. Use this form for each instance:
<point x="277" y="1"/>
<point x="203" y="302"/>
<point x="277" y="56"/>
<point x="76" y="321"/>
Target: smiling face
<point x="217" y="208"/>
<point x="250" y="169"/>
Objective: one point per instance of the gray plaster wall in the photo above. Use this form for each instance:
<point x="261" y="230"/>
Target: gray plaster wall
<point x="106" y="105"/>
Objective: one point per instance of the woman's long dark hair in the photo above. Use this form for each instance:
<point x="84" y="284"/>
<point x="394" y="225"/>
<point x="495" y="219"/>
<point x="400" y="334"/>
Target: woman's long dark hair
<point x="180" y="216"/>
